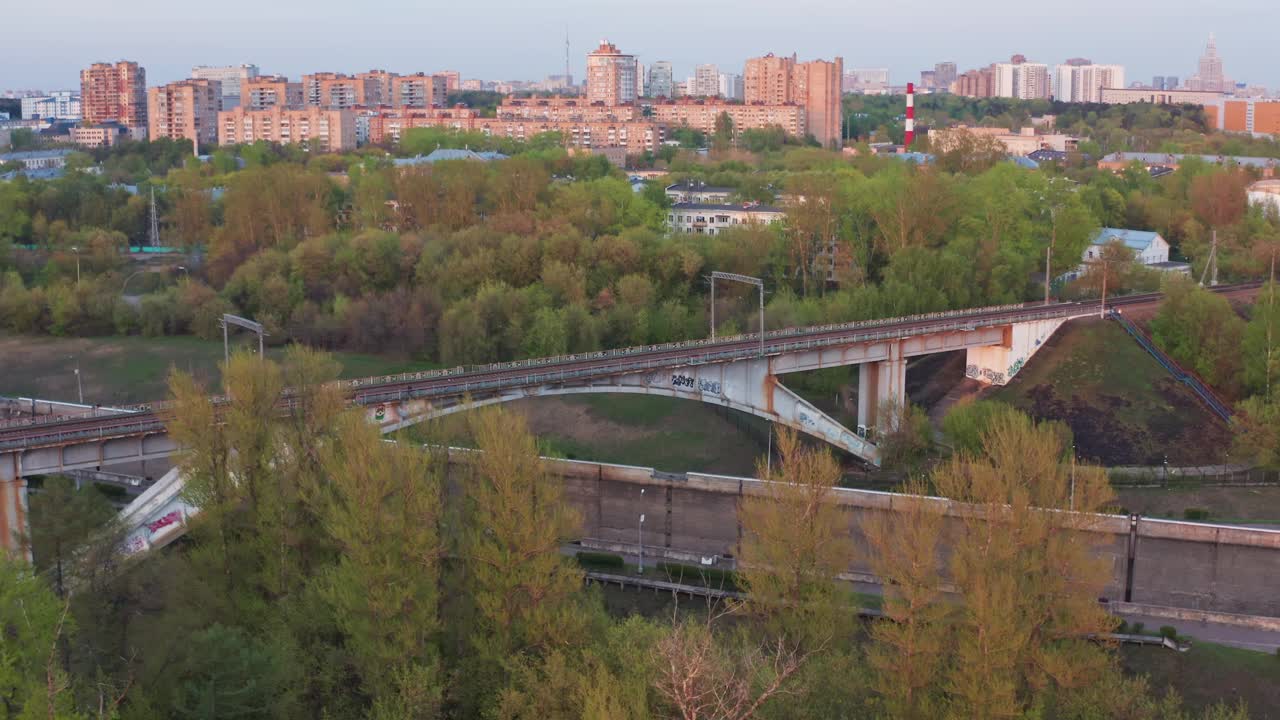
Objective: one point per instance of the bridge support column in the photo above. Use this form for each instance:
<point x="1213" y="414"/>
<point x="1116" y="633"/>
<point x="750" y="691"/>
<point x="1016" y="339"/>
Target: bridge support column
<point x="880" y="383"/>
<point x="13" y="516"/>
<point x="998" y="364"/>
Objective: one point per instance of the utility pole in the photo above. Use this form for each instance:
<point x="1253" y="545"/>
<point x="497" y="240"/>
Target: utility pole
<point x="154" y="237"/>
<point x="76" y="250"/>
<point x="640" y="538"/>
<point x="1102" y="313"/>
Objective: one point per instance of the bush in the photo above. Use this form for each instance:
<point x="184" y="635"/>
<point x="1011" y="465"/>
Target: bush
<point x="599" y="560"/>
<point x="1195" y="514"/>
<point x="698" y="575"/>
<point x="1123" y="627"/>
<point x="1169" y="631"/>
<point x="1137" y="628"/>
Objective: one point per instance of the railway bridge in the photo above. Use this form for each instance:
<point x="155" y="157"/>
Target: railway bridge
<point x="742" y="372"/>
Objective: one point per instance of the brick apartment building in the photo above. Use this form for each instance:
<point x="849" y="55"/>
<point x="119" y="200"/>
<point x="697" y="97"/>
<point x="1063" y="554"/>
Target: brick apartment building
<point x="419" y="90"/>
<point x="702" y="114"/>
<point x="815" y="86"/>
<point x="115" y="92"/>
<point x="185" y="110"/>
<point x="269" y="91"/>
<point x="613" y="78"/>
<point x="1245" y="115"/>
<point x="323" y="129"/>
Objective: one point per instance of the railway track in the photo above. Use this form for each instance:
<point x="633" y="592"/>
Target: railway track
<point x="583" y="367"/>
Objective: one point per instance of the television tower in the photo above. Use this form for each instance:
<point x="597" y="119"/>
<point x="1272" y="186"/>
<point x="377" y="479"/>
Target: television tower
<point x="568" y="77"/>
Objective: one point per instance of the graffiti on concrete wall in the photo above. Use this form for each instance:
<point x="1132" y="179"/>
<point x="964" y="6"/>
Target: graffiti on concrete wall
<point x="690" y="383"/>
<point x="984" y="374"/>
<point x="1016" y="367"/>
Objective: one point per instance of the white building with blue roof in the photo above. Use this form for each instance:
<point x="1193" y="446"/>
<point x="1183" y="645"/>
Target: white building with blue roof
<point x="1148" y="247"/>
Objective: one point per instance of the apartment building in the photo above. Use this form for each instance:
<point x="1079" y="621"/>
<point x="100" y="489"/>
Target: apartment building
<point x="1121" y="96"/>
<point x="377" y="85"/>
<point x="714" y="218"/>
<point x="185" y="110"/>
<point x="1020" y="79"/>
<point x="231" y="77"/>
<point x="613" y="78"/>
<point x="1245" y="115"/>
<point x="419" y="90"/>
<point x="320" y="129"/>
<point x="269" y="91"/>
<point x="1084" y="83"/>
<point x="661" y="80"/>
<point x="387" y="126"/>
<point x="115" y="92"/>
<point x="815" y="86"/>
<point x="559" y="109"/>
<point x="702" y="114"/>
<point x="336" y="91"/>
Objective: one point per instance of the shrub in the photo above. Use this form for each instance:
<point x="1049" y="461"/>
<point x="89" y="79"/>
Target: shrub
<point x="1195" y="514"/>
<point x="1137" y="628"/>
<point x="698" y="575"/>
<point x="1123" y="627"/>
<point x="603" y="561"/>
<point x="1169" y="631"/>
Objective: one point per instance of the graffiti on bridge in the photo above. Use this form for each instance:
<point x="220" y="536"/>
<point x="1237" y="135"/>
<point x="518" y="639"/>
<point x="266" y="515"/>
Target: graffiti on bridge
<point x="690" y="383"/>
<point x="987" y="374"/>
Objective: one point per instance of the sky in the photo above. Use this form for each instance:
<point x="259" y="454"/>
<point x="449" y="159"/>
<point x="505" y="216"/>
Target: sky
<point x="45" y="45"/>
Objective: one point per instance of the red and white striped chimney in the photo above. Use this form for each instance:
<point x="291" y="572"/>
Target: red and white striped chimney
<point x="911" y="117"/>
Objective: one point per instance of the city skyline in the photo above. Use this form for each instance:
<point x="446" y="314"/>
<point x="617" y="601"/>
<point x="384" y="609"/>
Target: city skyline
<point x="530" y="42"/>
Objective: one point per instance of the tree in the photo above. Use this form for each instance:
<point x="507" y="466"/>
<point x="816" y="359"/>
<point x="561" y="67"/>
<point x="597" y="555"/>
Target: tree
<point x="723" y="137"/>
<point x="227" y="674"/>
<point x="1026" y="574"/>
<point x="1201" y="332"/>
<point x="382" y="510"/>
<point x="63" y="519"/>
<point x="1219" y="199"/>
<point x="32" y="624"/>
<point x="1258" y="348"/>
<point x="794" y="543"/>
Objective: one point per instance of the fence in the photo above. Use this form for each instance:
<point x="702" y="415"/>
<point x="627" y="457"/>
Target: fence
<point x="1210" y="475"/>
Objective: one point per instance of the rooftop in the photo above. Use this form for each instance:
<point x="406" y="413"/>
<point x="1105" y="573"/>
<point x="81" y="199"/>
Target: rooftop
<point x="449" y="154"/>
<point x="727" y="207"/>
<point x="1167" y="159"/>
<point x="1138" y="240"/>
<point x="34" y="155"/>
<point x="699" y="187"/>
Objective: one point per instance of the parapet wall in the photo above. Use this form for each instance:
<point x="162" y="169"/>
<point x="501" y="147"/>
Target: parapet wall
<point x="1175" y="564"/>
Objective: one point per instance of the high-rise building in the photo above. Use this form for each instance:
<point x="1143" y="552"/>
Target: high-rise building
<point x="335" y="90"/>
<point x="974" y="83"/>
<point x="419" y="91"/>
<point x="1209" y="76"/>
<point x="231" y="78"/>
<point x="115" y="93"/>
<point x="660" y="80"/>
<point x="612" y="77"/>
<point x="377" y="87"/>
<point x="1020" y="79"/>
<point x="706" y="81"/>
<point x="731" y="86"/>
<point x="814" y="85"/>
<point x="267" y="91"/>
<point x="453" y="80"/>
<point x="185" y="110"/>
<point x="59" y="105"/>
<point x="1245" y="115"/>
<point x="944" y="73"/>
<point x="1084" y="83"/>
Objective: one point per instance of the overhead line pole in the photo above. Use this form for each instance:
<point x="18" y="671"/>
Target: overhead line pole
<point x="717" y="275"/>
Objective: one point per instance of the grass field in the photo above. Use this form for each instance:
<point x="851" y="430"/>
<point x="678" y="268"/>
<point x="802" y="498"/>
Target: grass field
<point x="124" y="370"/>
<point x="1123" y="408"/>
<point x="1252" y="505"/>
<point x="1211" y="673"/>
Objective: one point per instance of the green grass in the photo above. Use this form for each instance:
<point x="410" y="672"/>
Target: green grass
<point x="124" y="370"/>
<point x="1122" y="406"/>
<point x="1210" y="673"/>
<point x="631" y="410"/>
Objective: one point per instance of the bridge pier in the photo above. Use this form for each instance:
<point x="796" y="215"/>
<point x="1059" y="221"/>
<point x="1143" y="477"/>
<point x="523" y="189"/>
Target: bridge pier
<point x="13" y="515"/>
<point x="880" y="383"/>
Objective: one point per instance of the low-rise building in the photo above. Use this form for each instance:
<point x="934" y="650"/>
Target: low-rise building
<point x="1021" y="143"/>
<point x="60" y="105"/>
<point x="1245" y="115"/>
<point x="1122" y="96"/>
<point x="37" y="159"/>
<point x="1265" y="194"/>
<point x="713" y="218"/>
<point x="97" y="136"/>
<point x="1119" y="161"/>
<point x="699" y="192"/>
<point x="1149" y="248"/>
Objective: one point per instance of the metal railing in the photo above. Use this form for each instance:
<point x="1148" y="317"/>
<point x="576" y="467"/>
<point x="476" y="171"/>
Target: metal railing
<point x="1216" y="405"/>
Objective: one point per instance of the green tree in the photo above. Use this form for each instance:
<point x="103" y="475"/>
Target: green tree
<point x="225" y="673"/>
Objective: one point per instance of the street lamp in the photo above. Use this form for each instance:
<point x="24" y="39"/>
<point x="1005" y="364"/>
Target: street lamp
<point x="640" y="538"/>
<point x="79" y="387"/>
<point x="76" y="250"/>
<point x="185" y="271"/>
<point x="742" y="279"/>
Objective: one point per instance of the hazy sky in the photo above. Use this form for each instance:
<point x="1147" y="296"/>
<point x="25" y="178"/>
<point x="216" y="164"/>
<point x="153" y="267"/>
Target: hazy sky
<point x="45" y="44"/>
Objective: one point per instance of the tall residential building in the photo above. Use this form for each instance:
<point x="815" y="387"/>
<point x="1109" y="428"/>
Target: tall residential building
<point x="1020" y="79"/>
<point x="1209" y="76"/>
<point x="268" y="91"/>
<point x="944" y="73"/>
<point x="337" y="91"/>
<point x="320" y="129"/>
<point x="731" y="86"/>
<point x="974" y="83"/>
<point x="661" y="81"/>
<point x="58" y="105"/>
<point x="185" y="110"/>
<point x="419" y="90"/>
<point x="453" y="80"/>
<point x="814" y="85"/>
<point x="612" y="77"/>
<point x="115" y="92"/>
<point x="231" y="77"/>
<point x="377" y="87"/>
<point x="706" y="81"/>
<point x="1084" y="83"/>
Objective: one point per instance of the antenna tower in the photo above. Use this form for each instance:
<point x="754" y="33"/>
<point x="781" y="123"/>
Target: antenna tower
<point x="568" y="78"/>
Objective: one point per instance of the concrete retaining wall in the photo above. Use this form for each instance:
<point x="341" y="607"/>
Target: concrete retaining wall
<point x="1191" y="566"/>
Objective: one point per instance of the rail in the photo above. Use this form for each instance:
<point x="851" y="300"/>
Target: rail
<point x="1200" y="388"/>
